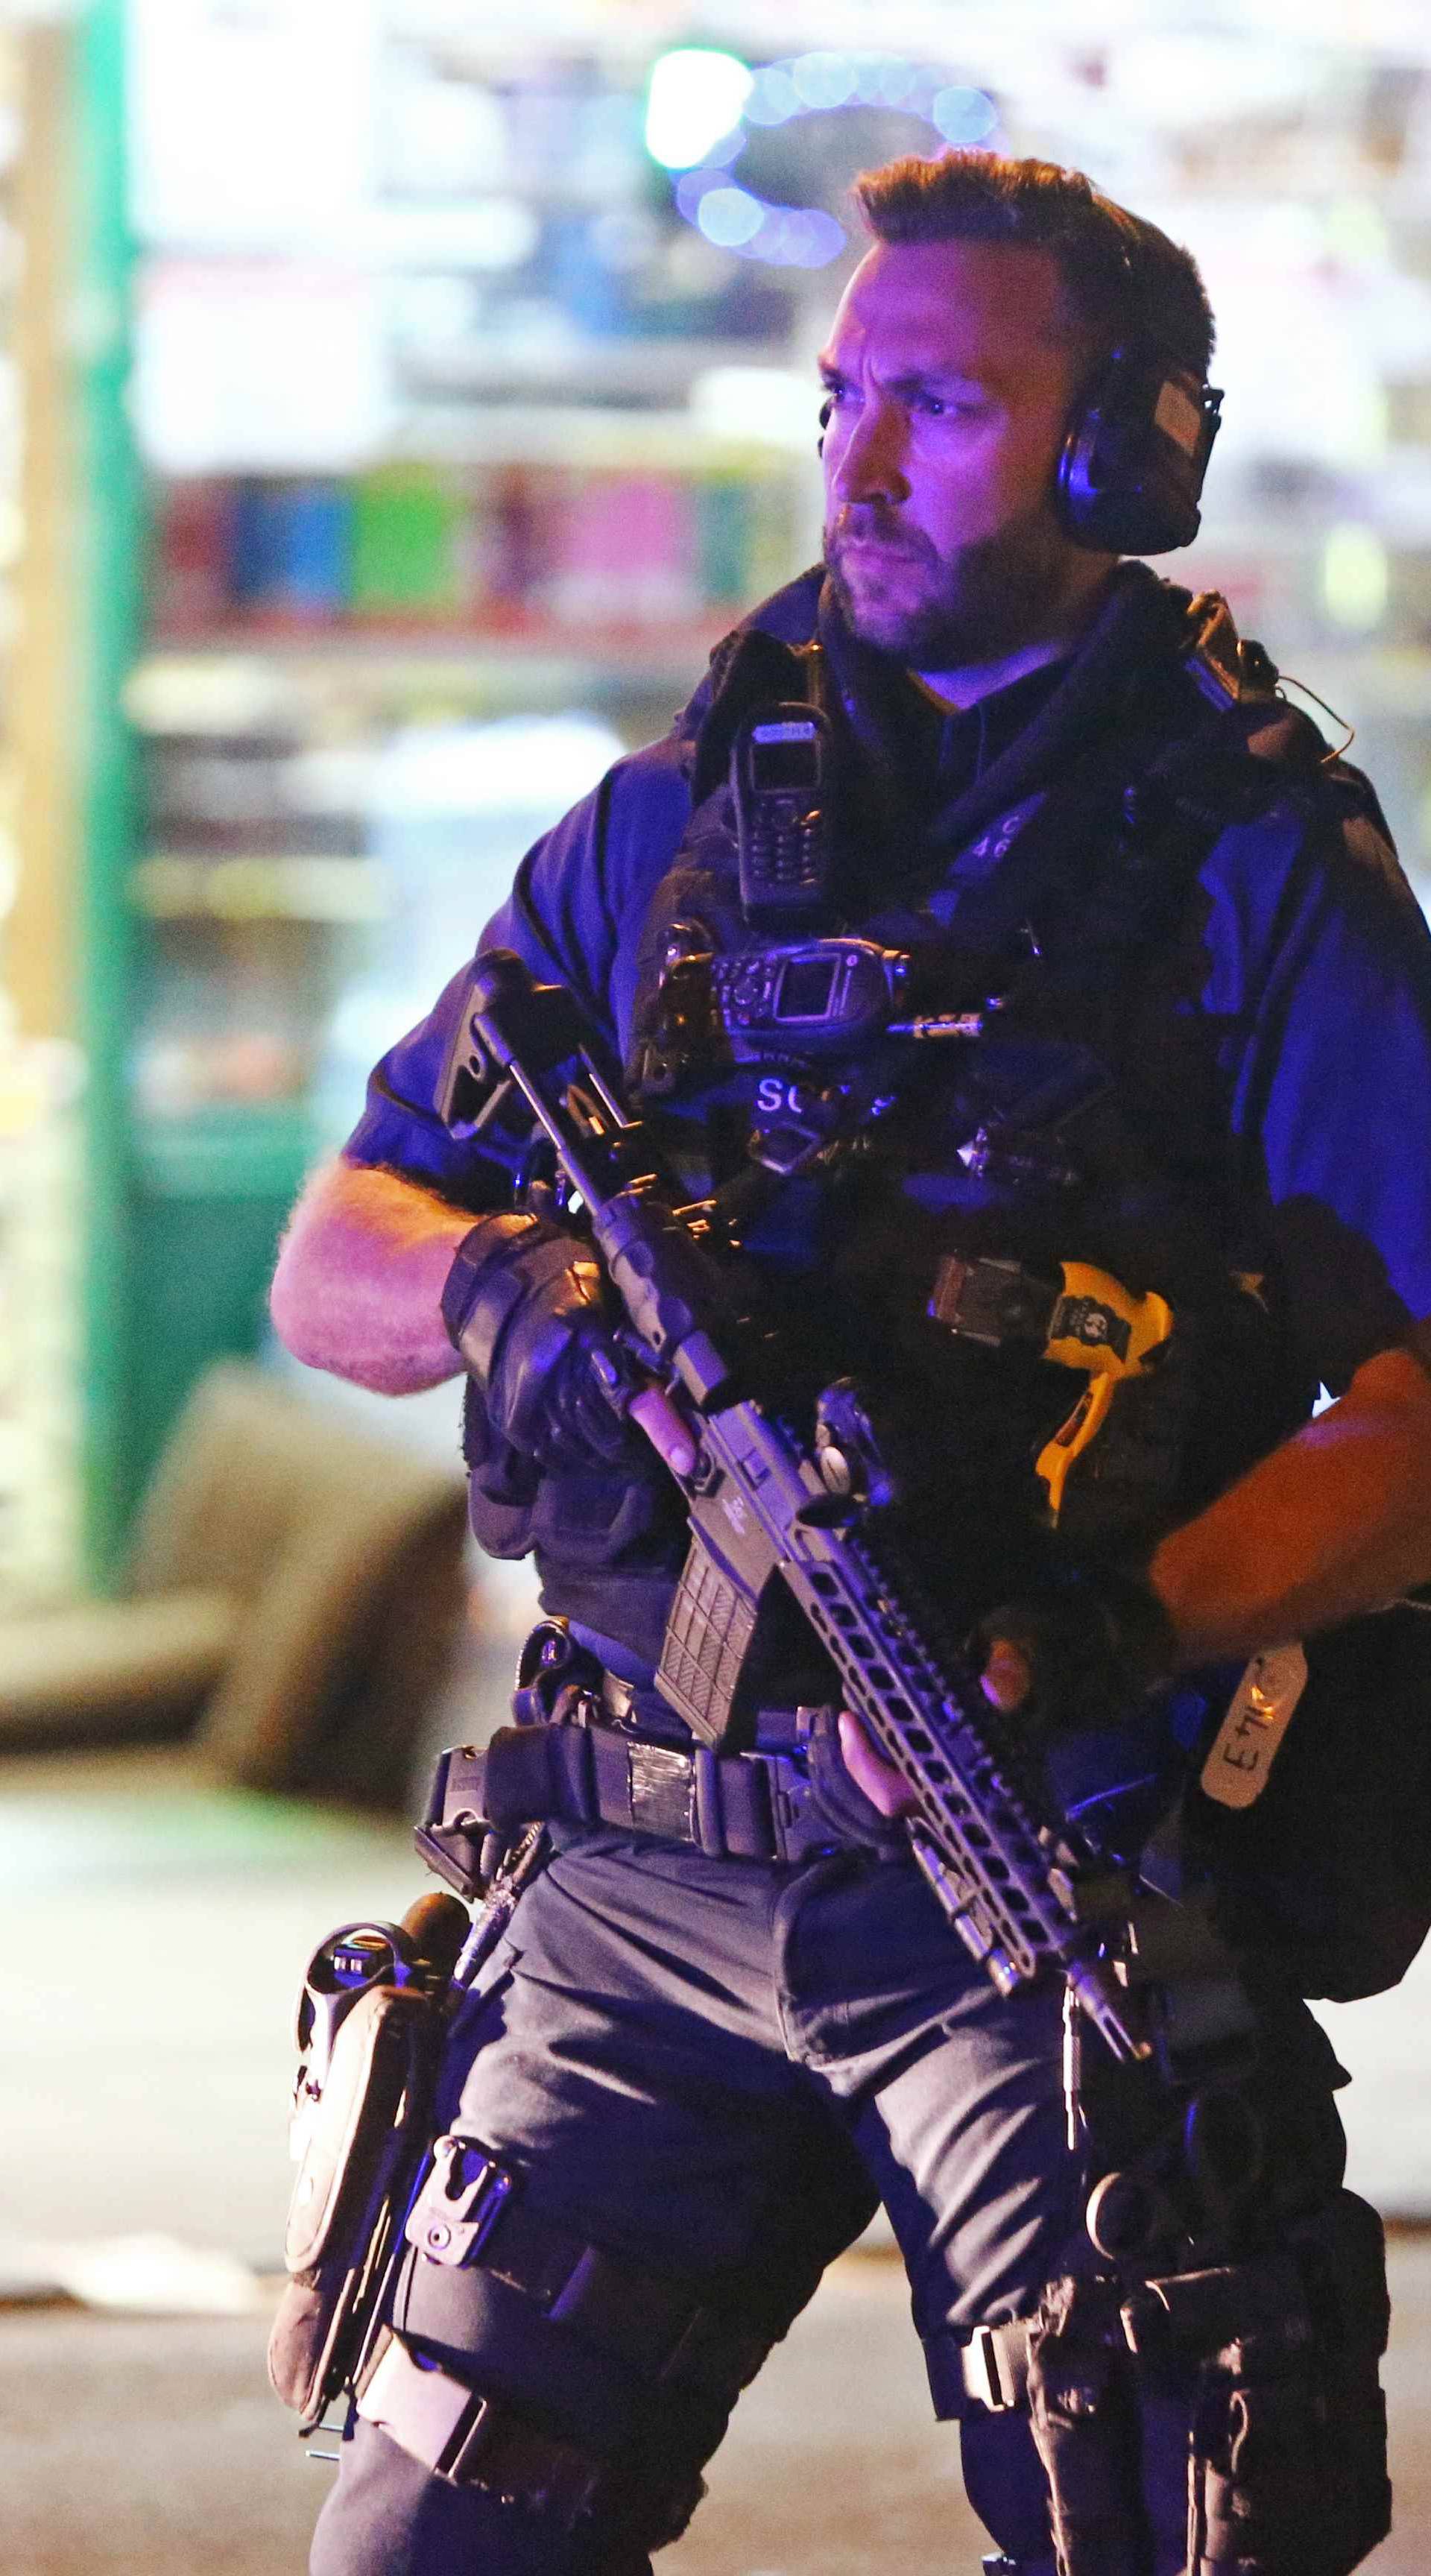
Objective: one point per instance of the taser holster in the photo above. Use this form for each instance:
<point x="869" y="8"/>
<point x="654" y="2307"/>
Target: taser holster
<point x="367" y="2132"/>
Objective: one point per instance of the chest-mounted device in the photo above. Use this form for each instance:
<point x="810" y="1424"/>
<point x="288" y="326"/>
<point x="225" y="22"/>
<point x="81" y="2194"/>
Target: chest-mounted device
<point x="782" y="784"/>
<point x="793" y="999"/>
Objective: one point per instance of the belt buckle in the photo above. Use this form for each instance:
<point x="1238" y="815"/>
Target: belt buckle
<point x="982" y="2375"/>
<point x="661" y="1784"/>
<point x="455" y="2212"/>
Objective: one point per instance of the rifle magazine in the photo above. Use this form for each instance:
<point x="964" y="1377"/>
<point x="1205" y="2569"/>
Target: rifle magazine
<point x="707" y="1639"/>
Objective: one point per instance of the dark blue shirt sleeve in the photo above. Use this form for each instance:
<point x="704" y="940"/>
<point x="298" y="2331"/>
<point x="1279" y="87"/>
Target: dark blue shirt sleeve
<point x="577" y="903"/>
<point x="1321" y="980"/>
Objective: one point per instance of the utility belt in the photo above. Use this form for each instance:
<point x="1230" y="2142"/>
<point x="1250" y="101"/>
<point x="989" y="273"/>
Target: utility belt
<point x="589" y="1748"/>
<point x="590" y="1767"/>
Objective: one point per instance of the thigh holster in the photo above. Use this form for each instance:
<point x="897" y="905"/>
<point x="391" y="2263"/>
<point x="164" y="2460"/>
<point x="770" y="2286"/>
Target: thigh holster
<point x="370" y="2022"/>
<point x="1082" y="2400"/>
<point x="1287" y="2461"/>
<point x="1272" y="2362"/>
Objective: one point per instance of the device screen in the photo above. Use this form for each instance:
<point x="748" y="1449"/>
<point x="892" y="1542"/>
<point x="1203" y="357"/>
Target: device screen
<point x="785" y="759"/>
<point x="806" y="988"/>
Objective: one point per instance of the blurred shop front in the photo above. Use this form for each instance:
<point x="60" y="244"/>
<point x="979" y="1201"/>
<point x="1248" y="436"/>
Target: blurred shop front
<point x="397" y="399"/>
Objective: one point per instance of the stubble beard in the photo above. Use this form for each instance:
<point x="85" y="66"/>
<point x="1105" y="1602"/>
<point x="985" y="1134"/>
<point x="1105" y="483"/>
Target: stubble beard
<point x="989" y="599"/>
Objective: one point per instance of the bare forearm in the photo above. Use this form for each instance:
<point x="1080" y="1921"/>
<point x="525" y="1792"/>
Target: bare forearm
<point x="360" y="1276"/>
<point x="1336" y="1521"/>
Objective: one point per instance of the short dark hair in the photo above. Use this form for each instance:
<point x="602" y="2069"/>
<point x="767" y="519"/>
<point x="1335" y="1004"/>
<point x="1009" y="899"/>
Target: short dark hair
<point x="1122" y="278"/>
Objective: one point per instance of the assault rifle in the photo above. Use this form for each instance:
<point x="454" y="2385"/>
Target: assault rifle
<point x="1025" y="1892"/>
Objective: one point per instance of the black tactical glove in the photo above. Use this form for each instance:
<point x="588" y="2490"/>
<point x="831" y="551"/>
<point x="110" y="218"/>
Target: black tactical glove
<point x="524" y="1308"/>
<point x="838" y="1799"/>
<point x="1093" y="1647"/>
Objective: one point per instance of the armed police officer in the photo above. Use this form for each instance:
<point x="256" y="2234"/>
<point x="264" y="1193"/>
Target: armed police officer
<point x="1155" y="1001"/>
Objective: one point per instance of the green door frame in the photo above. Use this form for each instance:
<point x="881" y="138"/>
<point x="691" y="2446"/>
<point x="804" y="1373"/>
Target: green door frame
<point x="110" y="557"/>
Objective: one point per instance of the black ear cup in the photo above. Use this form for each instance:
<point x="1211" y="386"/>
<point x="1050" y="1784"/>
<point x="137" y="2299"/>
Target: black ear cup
<point x="1131" y="472"/>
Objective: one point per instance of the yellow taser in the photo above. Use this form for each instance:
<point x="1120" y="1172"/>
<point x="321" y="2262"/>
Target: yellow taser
<point x="1100" y="1327"/>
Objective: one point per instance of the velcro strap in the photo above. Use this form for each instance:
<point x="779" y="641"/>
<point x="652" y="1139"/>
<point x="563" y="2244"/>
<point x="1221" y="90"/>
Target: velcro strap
<point x="1198" y="2315"/>
<point x="476" y="2441"/>
<point x="524" y="1772"/>
<point x="483" y="1260"/>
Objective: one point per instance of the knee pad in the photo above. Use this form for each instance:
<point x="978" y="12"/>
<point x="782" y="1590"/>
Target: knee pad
<point x="528" y="2362"/>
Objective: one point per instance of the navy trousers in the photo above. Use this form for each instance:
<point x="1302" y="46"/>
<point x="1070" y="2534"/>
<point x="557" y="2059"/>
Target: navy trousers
<point x="718" y="2068"/>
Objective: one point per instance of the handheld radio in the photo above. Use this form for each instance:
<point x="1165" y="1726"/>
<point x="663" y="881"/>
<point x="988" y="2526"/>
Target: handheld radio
<point x="782" y="781"/>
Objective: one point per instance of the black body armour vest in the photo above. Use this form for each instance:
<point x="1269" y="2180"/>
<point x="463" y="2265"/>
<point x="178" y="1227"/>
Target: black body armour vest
<point x="1079" y="1124"/>
<point x="1051" y="901"/>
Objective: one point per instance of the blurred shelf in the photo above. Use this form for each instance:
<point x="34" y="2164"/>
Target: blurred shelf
<point x="225" y="1151"/>
<point x="285" y="887"/>
<point x="235" y="677"/>
<point x="470" y="424"/>
<point x="594" y="438"/>
<point x="421" y="640"/>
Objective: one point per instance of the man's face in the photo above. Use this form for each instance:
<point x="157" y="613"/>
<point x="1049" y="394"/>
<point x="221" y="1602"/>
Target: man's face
<point x="951" y="372"/>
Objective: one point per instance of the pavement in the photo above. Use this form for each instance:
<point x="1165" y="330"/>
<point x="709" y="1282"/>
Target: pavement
<point x="140" y="2447"/>
<point x="154" y="1926"/>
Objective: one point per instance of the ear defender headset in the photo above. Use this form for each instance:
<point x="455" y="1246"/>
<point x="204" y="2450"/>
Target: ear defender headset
<point x="1131" y="472"/>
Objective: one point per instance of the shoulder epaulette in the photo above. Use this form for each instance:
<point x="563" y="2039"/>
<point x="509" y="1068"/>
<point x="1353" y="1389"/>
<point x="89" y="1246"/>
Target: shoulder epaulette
<point x="1231" y="670"/>
<point x="1238" y="676"/>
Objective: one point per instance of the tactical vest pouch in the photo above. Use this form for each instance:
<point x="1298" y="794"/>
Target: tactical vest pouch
<point x="501" y="1485"/>
<point x="367" y="2132"/>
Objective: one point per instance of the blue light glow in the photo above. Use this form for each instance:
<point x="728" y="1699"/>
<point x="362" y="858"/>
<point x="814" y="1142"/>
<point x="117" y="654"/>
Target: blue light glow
<point x="813" y="84"/>
<point x="773" y="97"/>
<point x="692" y="186"/>
<point x="887" y="82"/>
<point x="730" y="217"/>
<point x="822" y="80"/>
<point x="963" y="115"/>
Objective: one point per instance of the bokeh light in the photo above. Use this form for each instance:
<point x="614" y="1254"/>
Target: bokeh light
<point x="687" y="101"/>
<point x="694" y="99"/>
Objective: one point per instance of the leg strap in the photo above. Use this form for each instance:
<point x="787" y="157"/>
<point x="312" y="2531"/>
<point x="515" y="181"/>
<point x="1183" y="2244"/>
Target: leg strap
<point x="988" y="2374"/>
<point x="482" y="2442"/>
<point x="490" y="2257"/>
<point x="475" y="2441"/>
